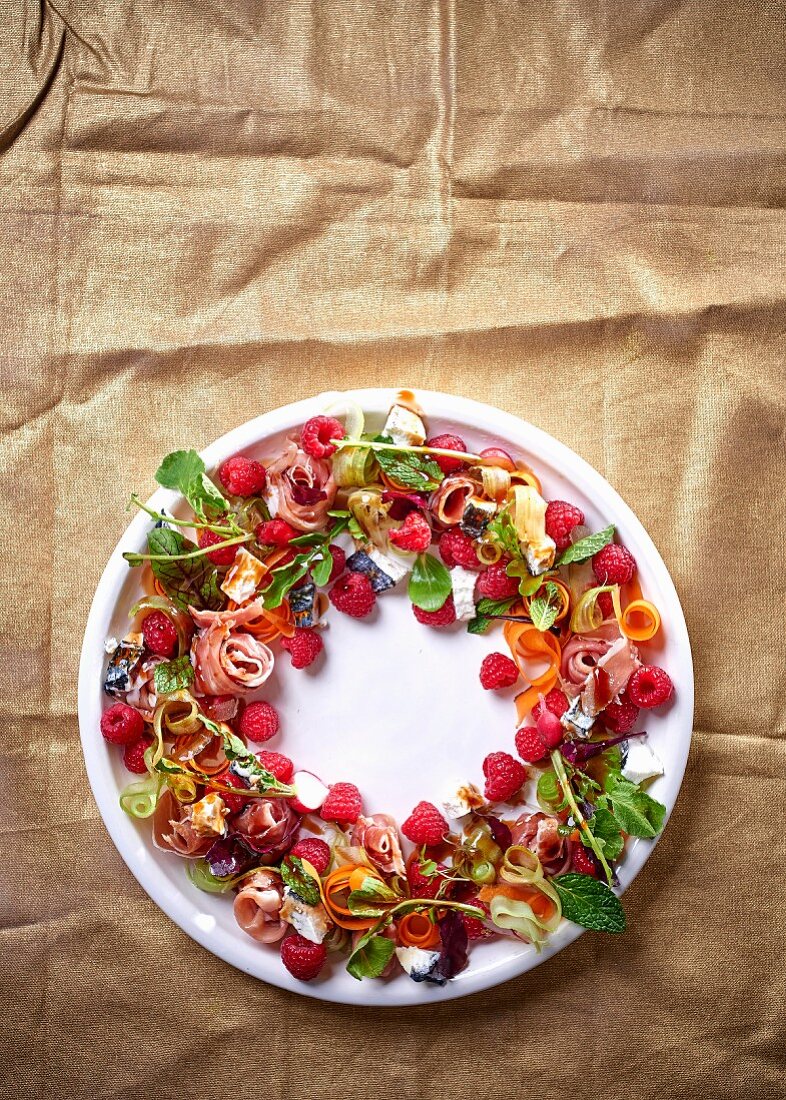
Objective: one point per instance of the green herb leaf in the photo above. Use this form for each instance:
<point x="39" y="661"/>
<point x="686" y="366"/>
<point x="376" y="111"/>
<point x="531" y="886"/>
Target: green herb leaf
<point x="429" y="583"/>
<point x="414" y="471"/>
<point x="321" y="571"/>
<point x="586" y="547"/>
<point x="311" y="539"/>
<point x="589" y="902"/>
<point x="528" y="585"/>
<point x="371" y="898"/>
<point x="484" y="612"/>
<point x="299" y="880"/>
<point x="174" y="675"/>
<point x="637" y="813"/>
<point x="606" y="831"/>
<point x="284" y="579"/>
<point x="185" y="580"/>
<point x="503" y="531"/>
<point x="185" y="472"/>
<point x="544" y="610"/>
<point x="370" y="957"/>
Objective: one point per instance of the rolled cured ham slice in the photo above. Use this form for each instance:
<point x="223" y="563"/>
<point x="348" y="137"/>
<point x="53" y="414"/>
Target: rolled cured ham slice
<point x="300" y="489"/>
<point x="226" y="660"/>
<point x="257" y="906"/>
<point x="379" y="836"/>
<point x="450" y="499"/>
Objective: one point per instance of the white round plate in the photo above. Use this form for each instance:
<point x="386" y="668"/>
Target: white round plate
<point x="392" y="706"/>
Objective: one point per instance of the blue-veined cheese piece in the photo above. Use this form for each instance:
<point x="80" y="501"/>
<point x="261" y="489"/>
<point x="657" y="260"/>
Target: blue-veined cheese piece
<point x="477" y="515"/>
<point x="123" y="665"/>
<point x="405" y="427"/>
<point x="464" y="801"/>
<point x="310" y="921"/>
<point x="208" y="816"/>
<point x="301" y="601"/>
<point x="243" y="577"/>
<point x="419" y="964"/>
<point x="463" y="583"/>
<point x="641" y="762"/>
<point x="577" y="720"/>
<point x="395" y="566"/>
<point x="361" y="562"/>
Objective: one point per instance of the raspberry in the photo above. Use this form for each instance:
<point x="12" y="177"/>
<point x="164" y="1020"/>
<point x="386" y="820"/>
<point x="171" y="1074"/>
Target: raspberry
<point x="233" y="802"/>
<point x="122" y="724"/>
<point x="224" y="556"/>
<point x="550" y="729"/>
<point x="556" y="701"/>
<point x="159" y="633"/>
<point x="258" y="722"/>
<point x="497" y="671"/>
<point x="456" y="548"/>
<point x="649" y="686"/>
<point x="614" y="565"/>
<point x="316" y="435"/>
<point x="444" y="616"/>
<point x="495" y="584"/>
<point x="275" y="532"/>
<point x="606" y="605"/>
<point x="413" y="534"/>
<point x="584" y="861"/>
<point x="343" y="803"/>
<point x="339" y="562"/>
<point x="302" y="958"/>
<point x="315" y="851"/>
<point x="303" y="647"/>
<point x="447" y="464"/>
<point x="475" y="928"/>
<point x="561" y="518"/>
<point x="530" y="745"/>
<point x="242" y="477"/>
<point x="353" y="595"/>
<point x="621" y="717"/>
<point x="281" y="766"/>
<point x="420" y="885"/>
<point x="425" y="825"/>
<point x="504" y="776"/>
<point x="134" y="753"/>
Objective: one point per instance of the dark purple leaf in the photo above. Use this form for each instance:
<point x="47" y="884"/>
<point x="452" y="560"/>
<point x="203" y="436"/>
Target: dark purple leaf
<point x="228" y="856"/>
<point x="454" y="955"/>
<point x="307" y="494"/>
<point x="402" y="503"/>
<point x="579" y="752"/>
<point x="500" y="832"/>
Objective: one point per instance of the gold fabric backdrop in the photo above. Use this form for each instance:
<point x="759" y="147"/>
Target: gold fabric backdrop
<point x="571" y="210"/>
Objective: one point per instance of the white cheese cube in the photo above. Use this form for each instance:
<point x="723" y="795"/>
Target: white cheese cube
<point x="208" y="816"/>
<point x="641" y="762"/>
<point x="243" y="577"/>
<point x="405" y="427"/>
<point x="463" y="582"/>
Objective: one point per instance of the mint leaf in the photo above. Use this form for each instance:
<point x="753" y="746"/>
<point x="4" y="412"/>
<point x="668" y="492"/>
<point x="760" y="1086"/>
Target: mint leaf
<point x="586" y="547"/>
<point x="185" y="472"/>
<point x="479" y="625"/>
<point x="321" y="571"/>
<point x="589" y="902"/>
<point x="174" y="675"/>
<point x="637" y="813"/>
<point x="485" y="610"/>
<point x="186" y="581"/>
<point x="606" y="831"/>
<point x="429" y="583"/>
<point x="370" y="957"/>
<point x="299" y="880"/>
<point x="544" y="610"/>
<point x="414" y="471"/>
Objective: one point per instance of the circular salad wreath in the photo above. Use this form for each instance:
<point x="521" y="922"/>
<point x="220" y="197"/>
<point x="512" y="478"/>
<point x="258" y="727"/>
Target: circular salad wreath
<point x="328" y="524"/>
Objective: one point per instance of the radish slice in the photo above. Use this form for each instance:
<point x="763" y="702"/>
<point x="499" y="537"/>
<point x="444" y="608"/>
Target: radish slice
<point x="310" y="792"/>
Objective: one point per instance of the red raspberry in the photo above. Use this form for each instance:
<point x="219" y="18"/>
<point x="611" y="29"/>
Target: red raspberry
<point x="281" y="766"/>
<point x="649" y="686"/>
<point x="475" y="928"/>
<point x="303" y="647"/>
<point x="556" y="701"/>
<point x="561" y="518"/>
<point x="444" y="616"/>
<point x="606" y="605"/>
<point x="420" y="885"/>
<point x="233" y="802"/>
<point x="584" y="861"/>
<point x="258" y="722"/>
<point x="497" y="671"/>
<point x="614" y="565"/>
<point x="122" y="724"/>
<point x="315" y="851"/>
<point x="242" y="477"/>
<point x="316" y="435"/>
<point x="456" y="548"/>
<point x="413" y="534"/>
<point x="339" y="562"/>
<point x="134" y="755"/>
<point x="275" y="532"/>
<point x="495" y="584"/>
<point x="159" y="633"/>
<point x="621" y="717"/>
<point x="447" y="464"/>
<point x="343" y="803"/>
<point x="425" y="825"/>
<point x="302" y="958"/>
<point x="530" y="745"/>
<point x="504" y="776"/>
<point x="224" y="556"/>
<point x="353" y="595"/>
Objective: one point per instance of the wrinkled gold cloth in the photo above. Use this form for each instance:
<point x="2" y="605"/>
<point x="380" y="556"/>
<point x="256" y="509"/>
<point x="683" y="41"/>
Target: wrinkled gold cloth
<point x="571" y="210"/>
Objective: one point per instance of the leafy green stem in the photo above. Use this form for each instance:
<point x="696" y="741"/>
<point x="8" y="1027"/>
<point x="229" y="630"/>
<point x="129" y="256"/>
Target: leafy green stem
<point x="219" y="529"/>
<point x="136" y="559"/>
<point x="578" y="816"/>
<point x="371" y="445"/>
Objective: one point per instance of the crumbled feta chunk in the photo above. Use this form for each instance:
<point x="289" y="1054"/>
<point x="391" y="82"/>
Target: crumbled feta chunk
<point x="309" y="920"/>
<point x="110" y="645"/>
<point x="208" y="816"/>
<point x="464" y="801"/>
<point x="243" y="577"/>
<point x="641" y="762"/>
<point x="463" y="582"/>
<point x="405" y="427"/>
